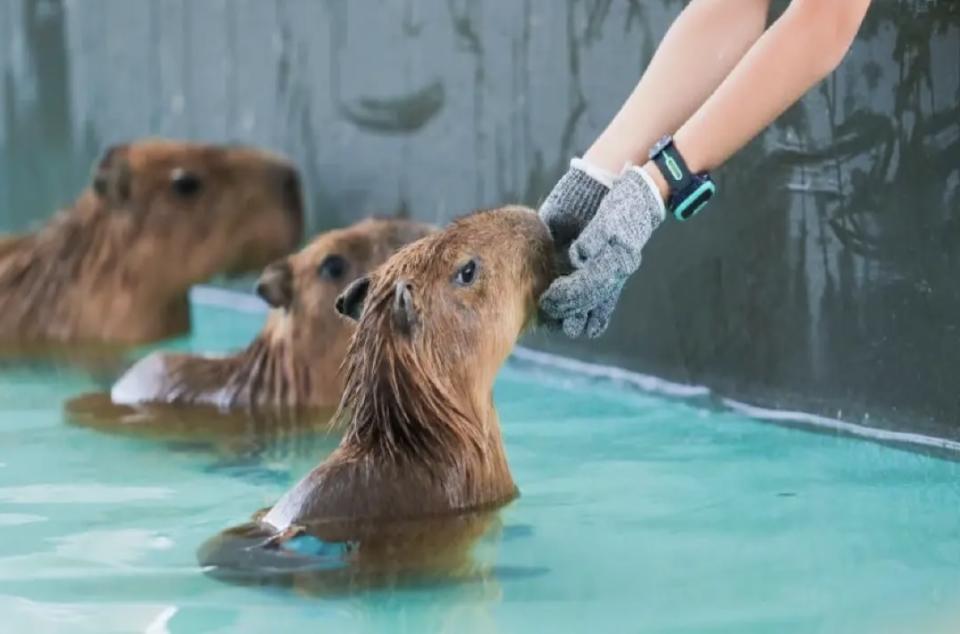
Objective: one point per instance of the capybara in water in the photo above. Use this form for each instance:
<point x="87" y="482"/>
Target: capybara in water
<point x="158" y="217"/>
<point x="421" y="467"/>
<point x="294" y="362"/>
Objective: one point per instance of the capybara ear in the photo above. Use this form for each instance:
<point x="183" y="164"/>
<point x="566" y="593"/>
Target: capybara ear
<point x="404" y="312"/>
<point x="112" y="176"/>
<point x="350" y="301"/>
<point x="275" y="285"/>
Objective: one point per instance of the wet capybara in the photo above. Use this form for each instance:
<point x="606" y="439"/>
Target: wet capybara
<point x="421" y="468"/>
<point x="295" y="361"/>
<point x="158" y="217"/>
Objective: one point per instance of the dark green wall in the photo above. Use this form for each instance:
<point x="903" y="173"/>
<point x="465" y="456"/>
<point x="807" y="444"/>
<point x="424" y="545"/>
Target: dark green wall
<point x="824" y="277"/>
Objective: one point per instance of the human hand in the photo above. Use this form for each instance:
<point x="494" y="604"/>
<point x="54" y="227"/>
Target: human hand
<point x="604" y="255"/>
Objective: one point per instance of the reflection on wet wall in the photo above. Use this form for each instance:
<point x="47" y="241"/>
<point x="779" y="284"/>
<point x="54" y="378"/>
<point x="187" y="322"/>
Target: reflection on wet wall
<point x="824" y="277"/>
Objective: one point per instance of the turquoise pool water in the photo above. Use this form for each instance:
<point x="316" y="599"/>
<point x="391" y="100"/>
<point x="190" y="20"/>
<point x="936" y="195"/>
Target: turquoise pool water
<point x="638" y="514"/>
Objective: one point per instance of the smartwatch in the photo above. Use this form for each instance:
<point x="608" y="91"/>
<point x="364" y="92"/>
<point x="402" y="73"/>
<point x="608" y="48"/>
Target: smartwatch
<point x="689" y="193"/>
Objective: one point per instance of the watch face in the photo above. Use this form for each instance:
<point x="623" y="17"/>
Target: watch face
<point x="659" y="145"/>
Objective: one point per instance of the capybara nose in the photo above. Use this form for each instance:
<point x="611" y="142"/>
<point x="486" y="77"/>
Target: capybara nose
<point x="275" y="285"/>
<point x="404" y="313"/>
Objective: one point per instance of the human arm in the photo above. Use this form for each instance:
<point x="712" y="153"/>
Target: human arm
<point x="702" y="45"/>
<point x="802" y="47"/>
<point x="698" y="51"/>
<point x="806" y="43"/>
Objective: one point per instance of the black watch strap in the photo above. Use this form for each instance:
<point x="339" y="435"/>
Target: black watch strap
<point x="689" y="192"/>
<point x="674" y="169"/>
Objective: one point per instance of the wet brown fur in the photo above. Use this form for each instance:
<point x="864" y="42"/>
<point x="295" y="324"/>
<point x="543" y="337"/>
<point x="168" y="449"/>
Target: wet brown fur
<point x="295" y="360"/>
<point x="422" y="464"/>
<point x="117" y="265"/>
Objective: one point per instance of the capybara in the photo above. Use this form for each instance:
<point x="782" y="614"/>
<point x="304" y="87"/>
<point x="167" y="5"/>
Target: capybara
<point x="158" y="217"/>
<point x="421" y="468"/>
<point x="295" y="361"/>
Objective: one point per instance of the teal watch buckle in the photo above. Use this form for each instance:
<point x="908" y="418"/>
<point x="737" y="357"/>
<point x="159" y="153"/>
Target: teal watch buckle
<point x="692" y="204"/>
<point x="689" y="193"/>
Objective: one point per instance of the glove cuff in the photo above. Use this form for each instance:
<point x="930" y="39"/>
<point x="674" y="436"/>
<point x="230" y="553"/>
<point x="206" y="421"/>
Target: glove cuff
<point x="651" y="186"/>
<point x="572" y="204"/>
<point x="602" y="176"/>
<point x="578" y="192"/>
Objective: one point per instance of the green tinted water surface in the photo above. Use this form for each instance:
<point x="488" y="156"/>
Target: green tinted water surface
<point x="637" y="514"/>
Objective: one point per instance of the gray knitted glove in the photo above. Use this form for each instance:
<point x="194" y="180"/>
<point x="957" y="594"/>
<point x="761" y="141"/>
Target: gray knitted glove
<point x="574" y="200"/>
<point x="571" y="205"/>
<point x="604" y="255"/>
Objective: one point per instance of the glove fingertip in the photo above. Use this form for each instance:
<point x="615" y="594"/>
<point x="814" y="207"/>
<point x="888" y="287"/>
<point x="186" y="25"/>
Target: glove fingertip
<point x="548" y="306"/>
<point x="600" y="316"/>
<point x="549" y="322"/>
<point x="578" y="254"/>
<point x="560" y="298"/>
<point x="596" y="327"/>
<point x="574" y="325"/>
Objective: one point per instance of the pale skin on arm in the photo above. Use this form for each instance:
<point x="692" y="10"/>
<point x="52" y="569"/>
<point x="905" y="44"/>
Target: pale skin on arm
<point x="732" y="97"/>
<point x="699" y="50"/>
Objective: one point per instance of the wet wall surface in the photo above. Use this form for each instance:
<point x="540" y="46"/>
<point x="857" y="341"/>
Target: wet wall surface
<point x="824" y="277"/>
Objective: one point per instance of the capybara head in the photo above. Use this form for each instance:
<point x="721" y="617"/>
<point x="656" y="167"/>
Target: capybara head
<point x="158" y="217"/>
<point x="302" y="288"/>
<point x="437" y="321"/>
<point x="202" y="209"/>
<point x="294" y="362"/>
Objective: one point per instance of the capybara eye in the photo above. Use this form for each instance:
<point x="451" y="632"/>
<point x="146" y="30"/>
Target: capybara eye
<point x="467" y="273"/>
<point x="333" y="267"/>
<point x="184" y="183"/>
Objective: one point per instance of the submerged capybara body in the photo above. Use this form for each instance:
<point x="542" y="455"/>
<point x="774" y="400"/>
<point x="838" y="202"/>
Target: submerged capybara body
<point x="294" y="362"/>
<point x="158" y="217"/>
<point x="421" y="467"/>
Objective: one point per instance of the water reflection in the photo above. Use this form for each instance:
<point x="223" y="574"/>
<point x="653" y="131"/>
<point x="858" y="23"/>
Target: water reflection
<point x="245" y="436"/>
